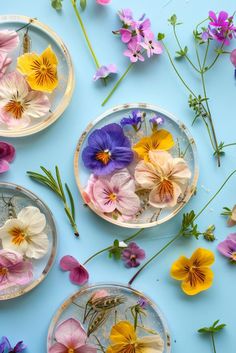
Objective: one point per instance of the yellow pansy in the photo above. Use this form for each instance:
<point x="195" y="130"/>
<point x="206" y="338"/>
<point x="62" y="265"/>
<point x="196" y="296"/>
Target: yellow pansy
<point x="125" y="340"/>
<point x="195" y="274"/>
<point x="160" y="140"/>
<point x="40" y="70"/>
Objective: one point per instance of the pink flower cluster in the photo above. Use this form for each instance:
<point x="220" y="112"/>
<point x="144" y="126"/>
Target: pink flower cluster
<point x="138" y="37"/>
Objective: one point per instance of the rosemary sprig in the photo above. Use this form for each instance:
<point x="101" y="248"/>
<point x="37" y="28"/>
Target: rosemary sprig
<point x="55" y="184"/>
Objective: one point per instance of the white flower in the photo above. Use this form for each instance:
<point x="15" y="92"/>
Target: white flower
<point x="122" y="244"/>
<point x="25" y="234"/>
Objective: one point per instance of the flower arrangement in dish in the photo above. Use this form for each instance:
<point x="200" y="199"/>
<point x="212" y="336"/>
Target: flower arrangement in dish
<point x="27" y="241"/>
<point x="136" y="166"/>
<point x="36" y="76"/>
<point x="108" y="318"/>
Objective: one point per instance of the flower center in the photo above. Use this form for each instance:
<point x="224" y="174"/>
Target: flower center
<point x="70" y="350"/>
<point x="132" y="258"/>
<point x="3" y="271"/>
<point x="104" y="156"/>
<point x="195" y="275"/>
<point x="166" y="190"/>
<point x="43" y="71"/>
<point x="233" y="256"/>
<point x="18" y="236"/>
<point x="113" y="197"/>
<point x="15" y="108"/>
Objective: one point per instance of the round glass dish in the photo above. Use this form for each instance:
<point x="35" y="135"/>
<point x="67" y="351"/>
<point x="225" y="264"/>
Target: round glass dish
<point x="40" y="37"/>
<point x="112" y="304"/>
<point x="13" y="199"/>
<point x="184" y="147"/>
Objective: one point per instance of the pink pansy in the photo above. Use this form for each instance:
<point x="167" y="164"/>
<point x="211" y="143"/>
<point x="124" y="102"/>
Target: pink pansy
<point x="114" y="193"/>
<point x="142" y="28"/>
<point x="7" y="154"/>
<point x="78" y="273"/>
<point x="151" y="45"/>
<point x="9" y="40"/>
<point x="4" y="63"/>
<point x="71" y="338"/>
<point x="103" y="2"/>
<point x="14" y="270"/>
<point x="18" y="105"/>
<point x="164" y="176"/>
<point x="134" y="51"/>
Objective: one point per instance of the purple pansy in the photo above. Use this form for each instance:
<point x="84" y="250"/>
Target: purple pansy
<point x="5" y="346"/>
<point x="78" y="273"/>
<point x="228" y="247"/>
<point x="105" y="71"/>
<point x="108" y="150"/>
<point x="142" y="29"/>
<point x="7" y="154"/>
<point x="142" y="302"/>
<point x="135" y="120"/>
<point x="133" y="255"/>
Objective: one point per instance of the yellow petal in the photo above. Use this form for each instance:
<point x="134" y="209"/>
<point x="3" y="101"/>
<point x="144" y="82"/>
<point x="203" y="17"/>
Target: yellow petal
<point x="162" y="140"/>
<point x="49" y="55"/>
<point x="24" y="63"/>
<point x="199" y="286"/>
<point x="179" y="269"/>
<point x="143" y="147"/>
<point x="150" y="344"/>
<point x="123" y="332"/>
<point x="45" y="85"/>
<point x="202" y="257"/>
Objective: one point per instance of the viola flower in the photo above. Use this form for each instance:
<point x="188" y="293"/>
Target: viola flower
<point x="9" y="40"/>
<point x="195" y="273"/>
<point x="40" y="70"/>
<point x="228" y="247"/>
<point x="108" y="150"/>
<point x="134" y="51"/>
<point x="78" y="273"/>
<point x="221" y="28"/>
<point x="5" y="346"/>
<point x="124" y="338"/>
<point x="116" y="193"/>
<point x="126" y="35"/>
<point x="142" y="29"/>
<point x="7" y="155"/>
<point x="126" y="16"/>
<point x="151" y="45"/>
<point x="142" y="303"/>
<point x="232" y="217"/>
<point x="164" y="176"/>
<point x="133" y="255"/>
<point x="71" y="338"/>
<point x="156" y="121"/>
<point x="105" y="71"/>
<point x="14" y="270"/>
<point x="17" y="104"/>
<point x="5" y="61"/>
<point x="160" y="140"/>
<point x="103" y="2"/>
<point x="25" y="234"/>
<point x="135" y="120"/>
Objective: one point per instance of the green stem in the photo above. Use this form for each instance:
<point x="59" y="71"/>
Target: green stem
<point x="216" y="58"/>
<point x="228" y="145"/>
<point x="117" y="84"/>
<point x="71" y="219"/>
<point x="85" y="33"/>
<point x="213" y="342"/>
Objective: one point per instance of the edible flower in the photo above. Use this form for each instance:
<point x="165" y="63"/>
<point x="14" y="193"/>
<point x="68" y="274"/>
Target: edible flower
<point x="228" y="247"/>
<point x="194" y="272"/>
<point x="5" y="346"/>
<point x="135" y="120"/>
<point x="5" y="61"/>
<point x="105" y="71"/>
<point x="103" y="2"/>
<point x="78" y="273"/>
<point x="7" y="155"/>
<point x="156" y="121"/>
<point x="132" y="255"/>
<point x="9" y="41"/>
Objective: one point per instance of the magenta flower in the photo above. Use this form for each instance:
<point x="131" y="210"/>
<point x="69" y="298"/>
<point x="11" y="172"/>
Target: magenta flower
<point x="220" y="28"/>
<point x="5" y="346"/>
<point x="134" y="51"/>
<point x="4" y="63"/>
<point x="9" y="41"/>
<point x="126" y="16"/>
<point x="71" y="338"/>
<point x="126" y="35"/>
<point x="103" y="2"/>
<point x="133" y="255"/>
<point x="105" y="71"/>
<point x="78" y="273"/>
<point x="151" y="45"/>
<point x="228" y="247"/>
<point x="142" y="302"/>
<point x="7" y="154"/>
<point x="142" y="28"/>
<point x="14" y="270"/>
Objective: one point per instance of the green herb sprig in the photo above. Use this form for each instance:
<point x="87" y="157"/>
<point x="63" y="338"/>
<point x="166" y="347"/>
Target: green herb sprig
<point x="211" y="331"/>
<point x="55" y="184"/>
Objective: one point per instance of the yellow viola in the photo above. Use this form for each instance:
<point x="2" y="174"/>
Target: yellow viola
<point x="40" y="70"/>
<point x="161" y="140"/>
<point x="125" y="340"/>
<point x="195" y="273"/>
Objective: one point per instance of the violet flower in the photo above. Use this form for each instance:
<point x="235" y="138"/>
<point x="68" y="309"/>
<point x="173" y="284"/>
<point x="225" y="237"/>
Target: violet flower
<point x="220" y="28"/>
<point x="5" y="346"/>
<point x="155" y="121"/>
<point x="108" y="150"/>
<point x="133" y="255"/>
<point x="78" y="273"/>
<point x="143" y="303"/>
<point x="7" y="154"/>
<point x="151" y="45"/>
<point x="134" y="51"/>
<point x="228" y="247"/>
<point x="105" y="71"/>
<point x="135" y="120"/>
<point x="142" y="29"/>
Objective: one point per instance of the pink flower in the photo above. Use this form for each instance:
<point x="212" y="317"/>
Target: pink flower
<point x="4" y="63"/>
<point x="9" y="40"/>
<point x="142" y="28"/>
<point x="103" y="2"/>
<point x="105" y="71"/>
<point x="78" y="273"/>
<point x="233" y="57"/>
<point x="102" y="293"/>
<point x="133" y="255"/>
<point x="134" y="51"/>
<point x="126" y="16"/>
<point x="114" y="193"/>
<point x="7" y="154"/>
<point x="71" y="338"/>
<point x="14" y="270"/>
<point x="126" y="35"/>
<point x="151" y="45"/>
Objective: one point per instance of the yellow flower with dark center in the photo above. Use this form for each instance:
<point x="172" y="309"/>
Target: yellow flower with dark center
<point x="125" y="340"/>
<point x="40" y="70"/>
<point x="195" y="273"/>
<point x="161" y="140"/>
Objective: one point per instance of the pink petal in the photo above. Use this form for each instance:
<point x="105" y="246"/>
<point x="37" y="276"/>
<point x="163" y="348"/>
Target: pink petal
<point x="21" y="273"/>
<point x="79" y="275"/>
<point x="180" y="170"/>
<point x="103" y="2"/>
<point x="128" y="203"/>
<point x="158" y="200"/>
<point x="126" y="35"/>
<point x="87" y="348"/>
<point x="4" y="166"/>
<point x="68" y="263"/>
<point x="9" y="40"/>
<point x="58" y="348"/>
<point x="101" y="190"/>
<point x="71" y="334"/>
<point x="38" y="104"/>
<point x="146" y="175"/>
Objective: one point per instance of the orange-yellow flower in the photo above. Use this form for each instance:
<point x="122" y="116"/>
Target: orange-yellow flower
<point x="160" y="140"/>
<point x="125" y="340"/>
<point x="40" y="70"/>
<point x="195" y="273"/>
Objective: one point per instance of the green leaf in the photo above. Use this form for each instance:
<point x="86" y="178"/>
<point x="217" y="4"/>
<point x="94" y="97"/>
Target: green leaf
<point x="83" y="4"/>
<point x="63" y="196"/>
<point x="212" y="329"/>
<point x="72" y="204"/>
<point x="173" y="20"/>
<point x="181" y="53"/>
<point x="160" y="36"/>
<point x="57" y="4"/>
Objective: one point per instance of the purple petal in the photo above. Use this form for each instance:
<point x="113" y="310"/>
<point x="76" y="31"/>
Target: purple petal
<point x="233" y="57"/>
<point x="126" y="35"/>
<point x="19" y="347"/>
<point x="68" y="263"/>
<point x="232" y="237"/>
<point x="79" y="275"/>
<point x="7" y="151"/>
<point x="227" y="247"/>
<point x="117" y="135"/>
<point x="122" y="157"/>
<point x="105" y="71"/>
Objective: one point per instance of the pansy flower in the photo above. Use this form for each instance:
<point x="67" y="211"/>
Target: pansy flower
<point x="164" y="176"/>
<point x="134" y="51"/>
<point x="126" y="16"/>
<point x="228" y="247"/>
<point x="78" y="273"/>
<point x="18" y="105"/>
<point x="9" y="41"/>
<point x="135" y="120"/>
<point x="7" y="155"/>
<point x="132" y="255"/>
<point x="156" y="121"/>
<point x="40" y="70"/>
<point x="105" y="71"/>
<point x="5" y="61"/>
<point x="108" y="150"/>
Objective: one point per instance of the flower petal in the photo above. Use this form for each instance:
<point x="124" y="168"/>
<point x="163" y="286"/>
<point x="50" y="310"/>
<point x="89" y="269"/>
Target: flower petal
<point x="103" y="194"/>
<point x="165" y="194"/>
<point x="37" y="246"/>
<point x="25" y="63"/>
<point x="33" y="219"/>
<point x="21" y="273"/>
<point x="128" y="203"/>
<point x="9" y="40"/>
<point x="146" y="175"/>
<point x="123" y="333"/>
<point x="68" y="263"/>
<point x="38" y="104"/>
<point x="79" y="275"/>
<point x="4" y="166"/>
<point x="150" y="344"/>
<point x="227" y="247"/>
<point x="58" y="348"/>
<point x="178" y="269"/>
<point x="71" y="334"/>
<point x="199" y="286"/>
<point x="203" y="257"/>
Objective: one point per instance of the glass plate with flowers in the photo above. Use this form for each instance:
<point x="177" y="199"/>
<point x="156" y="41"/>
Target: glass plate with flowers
<point x="27" y="241"/>
<point x="136" y="165"/>
<point x="36" y="76"/>
<point x="108" y="318"/>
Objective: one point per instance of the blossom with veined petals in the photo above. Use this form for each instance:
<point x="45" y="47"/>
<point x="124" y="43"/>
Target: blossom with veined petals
<point x="5" y="61"/>
<point x="78" y="273"/>
<point x="134" y="51"/>
<point x="9" y="40"/>
<point x="151" y="45"/>
<point x="228" y="247"/>
<point x="7" y="154"/>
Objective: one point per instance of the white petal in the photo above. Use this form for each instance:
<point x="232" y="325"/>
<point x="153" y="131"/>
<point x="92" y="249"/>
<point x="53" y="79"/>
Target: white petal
<point x="146" y="175"/>
<point x="12" y="84"/>
<point x="33" y="219"/>
<point x="9" y="225"/>
<point x="38" y="104"/>
<point x="38" y="246"/>
<point x="9" y="245"/>
<point x="123" y="179"/>
<point x="150" y="344"/>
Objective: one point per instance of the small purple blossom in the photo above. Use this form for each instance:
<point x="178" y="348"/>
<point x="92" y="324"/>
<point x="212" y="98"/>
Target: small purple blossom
<point x="228" y="247"/>
<point x="142" y="29"/>
<point x="142" y="302"/>
<point x="155" y="121"/>
<point x="134" y="51"/>
<point x="133" y="255"/>
<point x="105" y="71"/>
<point x="135" y="120"/>
<point x="126" y="16"/>
<point x="151" y="45"/>
<point x="7" y="154"/>
<point x="126" y="35"/>
<point x="5" y="346"/>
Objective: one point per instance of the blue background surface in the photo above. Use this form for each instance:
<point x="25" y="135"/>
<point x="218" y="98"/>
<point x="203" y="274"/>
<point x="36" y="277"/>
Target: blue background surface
<point x="154" y="82"/>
